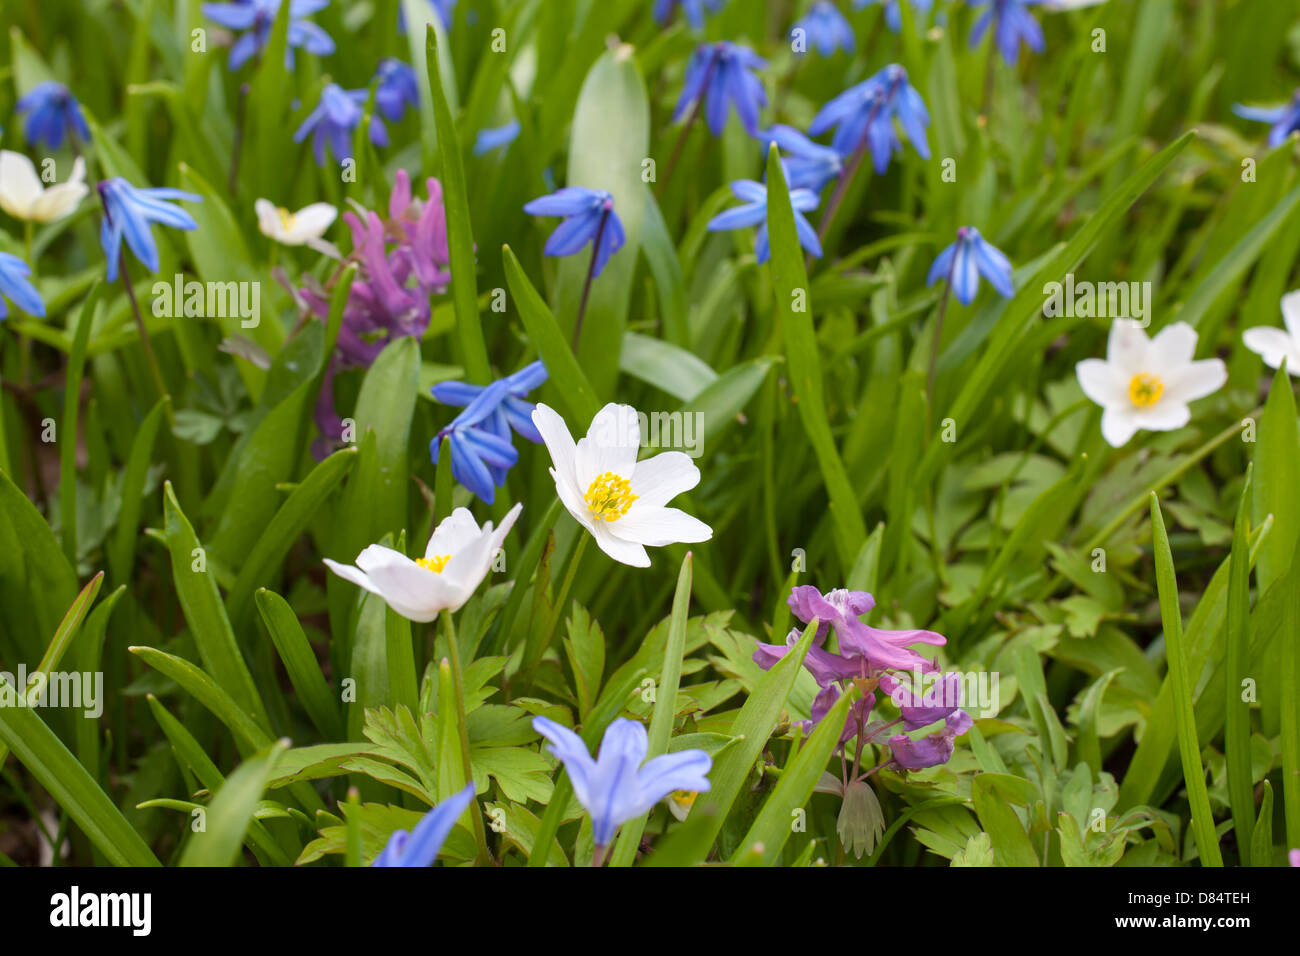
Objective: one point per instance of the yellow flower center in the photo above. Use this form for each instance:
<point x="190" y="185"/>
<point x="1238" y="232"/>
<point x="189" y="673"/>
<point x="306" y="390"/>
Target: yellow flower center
<point x="435" y="563"/>
<point x="609" y="497"/>
<point x="1144" y="389"/>
<point x="286" y="219"/>
<point x="684" y="798"/>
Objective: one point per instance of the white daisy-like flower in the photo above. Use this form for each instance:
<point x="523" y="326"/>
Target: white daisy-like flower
<point x="618" y="499"/>
<point x="1274" y="344"/>
<point x="302" y="228"/>
<point x="1146" y="383"/>
<point x="458" y="558"/>
<point x="24" y="196"/>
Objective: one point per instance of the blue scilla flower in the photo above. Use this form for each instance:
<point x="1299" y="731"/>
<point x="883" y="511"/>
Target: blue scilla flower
<point x="694" y="10"/>
<point x="893" y="16"/>
<point x="1014" y="24"/>
<point x="333" y="120"/>
<point x="970" y="257"/>
<point x="131" y="212"/>
<point x="397" y="89"/>
<point x="1284" y="119"/>
<point x="810" y="165"/>
<point x="420" y="847"/>
<point x="863" y="116"/>
<point x="255" y="19"/>
<point x="754" y="213"/>
<point x="52" y="111"/>
<point x="825" y="29"/>
<point x="589" y="216"/>
<point x="490" y="139"/>
<point x="721" y="72"/>
<point x="616" y="787"/>
<point x="15" y="286"/>
<point x="481" y="451"/>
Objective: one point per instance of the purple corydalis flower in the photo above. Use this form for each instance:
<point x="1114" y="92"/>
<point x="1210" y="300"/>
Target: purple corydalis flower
<point x="589" y="216"/>
<point x="854" y="721"/>
<point x="17" y="288"/>
<point x="863" y="116"/>
<point x="332" y="121"/>
<point x="131" y="212"/>
<point x="420" y="847"/>
<point x="1013" y="25"/>
<point x="256" y="18"/>
<point x="1284" y="119"/>
<point x="397" y="89"/>
<point x="620" y="784"/>
<point x="932" y="749"/>
<point x="481" y="451"/>
<point x="825" y="29"/>
<point x="843" y="609"/>
<point x="404" y="261"/>
<point x="693" y="9"/>
<point x="720" y="74"/>
<point x="934" y="703"/>
<point x="970" y="257"/>
<point x="754" y="213"/>
<point x="54" y="111"/>
<point x="810" y="165"/>
<point x="894" y="16"/>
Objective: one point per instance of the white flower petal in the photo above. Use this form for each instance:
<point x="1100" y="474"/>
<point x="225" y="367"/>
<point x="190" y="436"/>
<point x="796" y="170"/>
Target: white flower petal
<point x="1117" y="426"/>
<point x="1101" y="382"/>
<point x="574" y="502"/>
<point x="1164" y="416"/>
<point x="1173" y="346"/>
<point x="58" y="201"/>
<point x="1273" y="345"/>
<point x="1194" y="380"/>
<point x="456" y="531"/>
<point x="349" y="573"/>
<point x="658" y="480"/>
<point x="410" y="590"/>
<point x="558" y="441"/>
<point x="657" y="527"/>
<point x="611" y="445"/>
<point x="1291" y="314"/>
<point x="624" y="552"/>
<point x="19" y="184"/>
<point x="311" y="222"/>
<point x="1127" y="348"/>
<point x="268" y="219"/>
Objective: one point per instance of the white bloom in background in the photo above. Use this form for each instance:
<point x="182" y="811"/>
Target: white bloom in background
<point x="456" y="561"/>
<point x="1146" y="383"/>
<point x="302" y="228"/>
<point x="618" y="499"/>
<point x="24" y="196"/>
<point x="1273" y="344"/>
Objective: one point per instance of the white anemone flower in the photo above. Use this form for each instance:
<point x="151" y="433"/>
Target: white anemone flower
<point x="458" y="558"/>
<point x="618" y="499"/>
<point x="1146" y="383"/>
<point x="1273" y="344"/>
<point x="24" y="196"/>
<point x="302" y="228"/>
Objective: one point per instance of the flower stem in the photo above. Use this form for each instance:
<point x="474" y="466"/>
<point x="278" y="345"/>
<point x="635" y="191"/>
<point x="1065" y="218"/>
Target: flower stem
<point x="239" y="138"/>
<point x="938" y="335"/>
<point x="458" y="682"/>
<point x="686" y="129"/>
<point x="150" y="357"/>
<point x="846" y="176"/>
<point x="591" y="274"/>
<point x="598" y="857"/>
<point x="533" y="655"/>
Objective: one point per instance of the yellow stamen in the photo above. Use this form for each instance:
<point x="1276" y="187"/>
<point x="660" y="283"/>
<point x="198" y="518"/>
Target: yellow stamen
<point x="609" y="497"/>
<point x="286" y="219"/>
<point x="684" y="798"/>
<point x="1144" y="389"/>
<point x="435" y="563"/>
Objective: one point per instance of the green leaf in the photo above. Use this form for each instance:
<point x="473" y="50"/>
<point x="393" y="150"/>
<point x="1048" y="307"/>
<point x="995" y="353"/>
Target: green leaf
<point x="1236" y="738"/>
<point x="460" y="240"/>
<point x="201" y="603"/>
<point x="771" y="828"/>
<point x="231" y="811"/>
<point x="790" y="281"/>
<point x="1011" y="846"/>
<point x="300" y="664"/>
<point x="1189" y="750"/>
